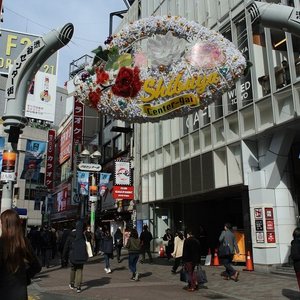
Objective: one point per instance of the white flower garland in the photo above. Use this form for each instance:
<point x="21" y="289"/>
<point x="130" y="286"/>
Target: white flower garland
<point x="229" y="70"/>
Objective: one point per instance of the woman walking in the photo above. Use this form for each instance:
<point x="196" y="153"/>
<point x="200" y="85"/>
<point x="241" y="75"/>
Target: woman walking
<point x="18" y="263"/>
<point x="134" y="247"/>
<point x="228" y="243"/>
<point x="178" y="249"/>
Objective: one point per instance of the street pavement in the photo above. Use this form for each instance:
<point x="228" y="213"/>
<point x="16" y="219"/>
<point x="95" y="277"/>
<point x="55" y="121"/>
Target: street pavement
<point x="157" y="282"/>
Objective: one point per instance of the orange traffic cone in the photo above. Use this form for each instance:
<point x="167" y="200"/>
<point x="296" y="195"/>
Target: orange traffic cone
<point x="216" y="262"/>
<point x="161" y="251"/>
<point x="249" y="263"/>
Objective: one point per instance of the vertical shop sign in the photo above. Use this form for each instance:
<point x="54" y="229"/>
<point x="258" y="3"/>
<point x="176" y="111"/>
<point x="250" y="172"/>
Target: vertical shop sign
<point x="50" y="159"/>
<point x="78" y="115"/>
<point x="65" y="143"/>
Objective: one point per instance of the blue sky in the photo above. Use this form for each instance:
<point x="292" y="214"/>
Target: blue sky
<point x="90" y="19"/>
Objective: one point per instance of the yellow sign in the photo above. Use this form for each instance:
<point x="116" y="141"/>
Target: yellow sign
<point x="157" y="88"/>
<point x="170" y="105"/>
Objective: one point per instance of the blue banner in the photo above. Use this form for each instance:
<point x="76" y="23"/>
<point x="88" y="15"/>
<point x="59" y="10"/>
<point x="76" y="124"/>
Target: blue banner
<point x="103" y="182"/>
<point x="83" y="182"/>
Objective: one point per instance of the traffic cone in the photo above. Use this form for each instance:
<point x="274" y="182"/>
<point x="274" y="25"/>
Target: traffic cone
<point x="216" y="262"/>
<point x="161" y="251"/>
<point x="249" y="263"/>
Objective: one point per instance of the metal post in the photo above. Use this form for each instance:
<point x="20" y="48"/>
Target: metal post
<point x="19" y="78"/>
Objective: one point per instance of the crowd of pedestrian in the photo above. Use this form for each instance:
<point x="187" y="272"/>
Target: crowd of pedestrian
<point x="22" y="257"/>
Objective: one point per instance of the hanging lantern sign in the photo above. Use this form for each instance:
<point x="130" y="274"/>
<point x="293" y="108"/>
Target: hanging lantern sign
<point x="159" y="68"/>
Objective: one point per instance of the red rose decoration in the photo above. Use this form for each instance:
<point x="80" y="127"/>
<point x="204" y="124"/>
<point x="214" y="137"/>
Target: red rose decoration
<point x="128" y="82"/>
<point x="102" y="76"/>
<point x="94" y="97"/>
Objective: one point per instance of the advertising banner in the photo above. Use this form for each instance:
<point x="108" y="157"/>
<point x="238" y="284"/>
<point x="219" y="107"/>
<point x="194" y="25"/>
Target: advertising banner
<point x="35" y="152"/>
<point x="40" y="103"/>
<point x="83" y="182"/>
<point x="103" y="182"/>
<point x="9" y="159"/>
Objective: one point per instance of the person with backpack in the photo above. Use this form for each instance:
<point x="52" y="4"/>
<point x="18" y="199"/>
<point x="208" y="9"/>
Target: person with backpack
<point x="134" y="247"/>
<point x="146" y="238"/>
<point x="76" y="247"/>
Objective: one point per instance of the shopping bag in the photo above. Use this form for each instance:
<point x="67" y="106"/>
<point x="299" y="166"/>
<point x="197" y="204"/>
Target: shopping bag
<point x="200" y="275"/>
<point x="207" y="260"/>
<point x="89" y="249"/>
<point x="183" y="275"/>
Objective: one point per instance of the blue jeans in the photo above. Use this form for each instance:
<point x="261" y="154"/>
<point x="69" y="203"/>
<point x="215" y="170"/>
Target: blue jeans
<point x="227" y="262"/>
<point x="132" y="261"/>
<point x="106" y="260"/>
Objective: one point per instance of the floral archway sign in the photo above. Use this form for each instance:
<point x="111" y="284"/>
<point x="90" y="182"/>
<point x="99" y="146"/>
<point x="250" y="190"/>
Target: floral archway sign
<point x="159" y="68"/>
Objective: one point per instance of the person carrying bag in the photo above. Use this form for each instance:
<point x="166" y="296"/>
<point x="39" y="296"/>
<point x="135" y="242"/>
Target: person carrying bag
<point x="228" y="246"/>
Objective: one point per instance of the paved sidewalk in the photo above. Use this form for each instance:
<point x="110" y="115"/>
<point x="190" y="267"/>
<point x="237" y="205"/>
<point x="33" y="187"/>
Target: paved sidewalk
<point x="157" y="282"/>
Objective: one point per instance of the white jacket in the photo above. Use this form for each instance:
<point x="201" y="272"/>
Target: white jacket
<point x="178" y="247"/>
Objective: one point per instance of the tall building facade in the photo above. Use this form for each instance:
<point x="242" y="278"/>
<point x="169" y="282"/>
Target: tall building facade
<point x="236" y="160"/>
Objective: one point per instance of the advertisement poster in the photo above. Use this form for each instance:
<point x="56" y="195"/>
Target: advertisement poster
<point x="270" y="225"/>
<point x="258" y="214"/>
<point x="271" y="237"/>
<point x="269" y="213"/>
<point x="259" y="225"/>
<point x="122" y="173"/>
<point x="8" y="171"/>
<point x="40" y="103"/>
<point x="35" y="154"/>
<point x="260" y="237"/>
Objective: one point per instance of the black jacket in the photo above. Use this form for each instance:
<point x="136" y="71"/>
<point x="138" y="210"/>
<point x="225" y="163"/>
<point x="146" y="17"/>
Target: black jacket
<point x="14" y="286"/>
<point x="76" y="246"/>
<point x="295" y="254"/>
<point x="107" y="244"/>
<point x="146" y="238"/>
<point x="191" y="251"/>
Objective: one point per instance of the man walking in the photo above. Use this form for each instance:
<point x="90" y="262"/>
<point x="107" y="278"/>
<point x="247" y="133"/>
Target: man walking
<point x="146" y="238"/>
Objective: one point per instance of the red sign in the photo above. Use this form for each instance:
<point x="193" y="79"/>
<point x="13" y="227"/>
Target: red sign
<point x="123" y="192"/>
<point x="50" y="159"/>
<point x="271" y="237"/>
<point x="269" y="213"/>
<point x="78" y="115"/>
<point x="65" y="144"/>
<point x="270" y="225"/>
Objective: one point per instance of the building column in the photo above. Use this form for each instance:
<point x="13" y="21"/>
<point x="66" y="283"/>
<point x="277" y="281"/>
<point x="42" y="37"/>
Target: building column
<point x="272" y="208"/>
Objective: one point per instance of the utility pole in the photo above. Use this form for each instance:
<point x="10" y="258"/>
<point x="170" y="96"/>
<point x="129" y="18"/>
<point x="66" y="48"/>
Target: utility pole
<point x="19" y="78"/>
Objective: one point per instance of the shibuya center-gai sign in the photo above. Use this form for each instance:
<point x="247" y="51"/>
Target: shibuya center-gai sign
<point x="159" y="68"/>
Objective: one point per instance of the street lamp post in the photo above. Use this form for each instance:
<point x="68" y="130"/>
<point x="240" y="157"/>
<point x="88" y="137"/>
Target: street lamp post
<point x="90" y="163"/>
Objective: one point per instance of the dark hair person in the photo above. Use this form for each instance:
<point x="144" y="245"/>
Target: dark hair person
<point x="18" y="263"/>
